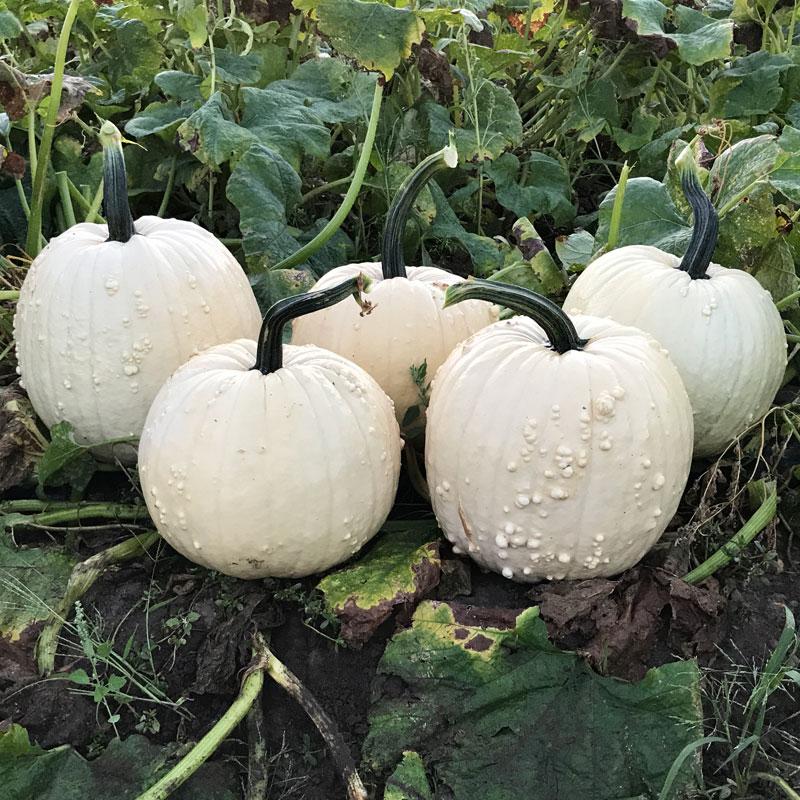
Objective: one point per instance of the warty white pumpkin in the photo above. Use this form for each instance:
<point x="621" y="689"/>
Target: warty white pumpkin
<point x="720" y="325"/>
<point x="412" y="327"/>
<point x="555" y="447"/>
<point x="271" y="460"/>
<point x="108" y="312"/>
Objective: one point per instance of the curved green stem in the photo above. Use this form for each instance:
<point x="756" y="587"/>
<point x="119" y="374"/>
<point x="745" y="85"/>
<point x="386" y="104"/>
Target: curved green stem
<point x="339" y="217"/>
<point x="557" y="325"/>
<point x="762" y="517"/>
<point x="616" y="209"/>
<point x="32" y="244"/>
<point x="706" y="221"/>
<point x="115" y="185"/>
<point x="204" y="749"/>
<point x="394" y="265"/>
<point x="269" y="355"/>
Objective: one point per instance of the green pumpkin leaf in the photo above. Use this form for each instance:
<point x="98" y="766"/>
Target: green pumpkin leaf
<point x="497" y="128"/>
<point x="698" y="37"/>
<point x="786" y="177"/>
<point x="408" y="781"/>
<point x="179" y="85"/>
<point x="576" y="250"/>
<point x="263" y="186"/>
<point x="193" y="18"/>
<point x="738" y="171"/>
<point x="158" y="118"/>
<point x="594" y="108"/>
<point x="123" y="770"/>
<point x="65" y="461"/>
<point x="483" y="693"/>
<point x="648" y="217"/>
<point x="546" y="190"/>
<point x="378" y="36"/>
<point x="751" y="86"/>
<point x="234" y="68"/>
<point x="401" y="567"/>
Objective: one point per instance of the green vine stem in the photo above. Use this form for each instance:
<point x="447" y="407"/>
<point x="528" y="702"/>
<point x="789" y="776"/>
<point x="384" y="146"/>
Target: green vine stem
<point x="616" y="210"/>
<point x="33" y="242"/>
<point x="706" y="221"/>
<point x="308" y="249"/>
<point x="264" y="660"/>
<point x="115" y="185"/>
<point x="81" y="579"/>
<point x="269" y="355"/>
<point x="62" y="181"/>
<point x="732" y="548"/>
<point x="55" y="514"/>
<point x="556" y="324"/>
<point x="11" y="295"/>
<point x="393" y="259"/>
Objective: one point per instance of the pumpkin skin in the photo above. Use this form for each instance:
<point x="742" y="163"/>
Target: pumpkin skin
<point x="410" y="327"/>
<point x="279" y="475"/>
<point x="271" y="460"/>
<point x="100" y="325"/>
<point x="724" y="333"/>
<point x="557" y="465"/>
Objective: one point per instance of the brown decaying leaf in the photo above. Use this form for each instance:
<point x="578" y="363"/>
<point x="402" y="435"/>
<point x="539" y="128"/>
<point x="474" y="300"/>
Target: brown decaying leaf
<point x="619" y="623"/>
<point x="14" y="166"/>
<point x="517" y="22"/>
<point x="435" y="71"/>
<point x="18" y="447"/>
<point x="19" y="91"/>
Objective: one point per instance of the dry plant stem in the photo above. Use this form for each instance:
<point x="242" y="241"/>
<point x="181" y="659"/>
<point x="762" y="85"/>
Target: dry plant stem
<point x="779" y="782"/>
<point x="257" y="762"/>
<point x="342" y="758"/>
<point x="80" y="581"/>
<point x="204" y="749"/>
<point x="762" y="517"/>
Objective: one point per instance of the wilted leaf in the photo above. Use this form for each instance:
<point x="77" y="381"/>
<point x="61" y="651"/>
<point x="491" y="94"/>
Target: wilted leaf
<point x="275" y="284"/>
<point x="20" y="440"/>
<point x="376" y="35"/>
<point x="263" y="186"/>
<point x="530" y="264"/>
<point x="193" y="18"/>
<point x="123" y="770"/>
<point x="484" y="693"/>
<point x="698" y="37"/>
<point x="408" y="781"/>
<point x="32" y="582"/>
<point x="399" y="569"/>
<point x="65" y="461"/>
<point x="19" y="92"/>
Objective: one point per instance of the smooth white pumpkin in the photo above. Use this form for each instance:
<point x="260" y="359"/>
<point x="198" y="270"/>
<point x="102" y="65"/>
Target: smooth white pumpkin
<point x="101" y="324"/>
<point x="282" y="474"/>
<point x="720" y="325"/>
<point x="545" y="464"/>
<point x="412" y="327"/>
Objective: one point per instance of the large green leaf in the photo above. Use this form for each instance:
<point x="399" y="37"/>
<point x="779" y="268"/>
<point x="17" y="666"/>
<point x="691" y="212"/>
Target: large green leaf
<point x="786" y="176"/>
<point x="398" y="569"/>
<point x="263" y="186"/>
<point x="738" y="171"/>
<point x="648" y="217"/>
<point x="121" y="772"/>
<point x="408" y="781"/>
<point x="497" y="712"/>
<point x="699" y="38"/>
<point x="498" y="126"/>
<point x="593" y="109"/>
<point x="376" y="35"/>
<point x="751" y="86"/>
<point x="158" y="118"/>
<point x="546" y="190"/>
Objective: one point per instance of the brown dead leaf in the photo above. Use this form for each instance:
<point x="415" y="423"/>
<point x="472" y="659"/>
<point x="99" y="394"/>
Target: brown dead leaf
<point x="19" y="91"/>
<point x="19" y="448"/>
<point x="517" y="22"/>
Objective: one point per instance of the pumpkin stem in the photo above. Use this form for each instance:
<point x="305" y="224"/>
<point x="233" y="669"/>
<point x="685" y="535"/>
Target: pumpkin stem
<point x="394" y="264"/>
<point x="706" y="221"/>
<point x="115" y="185"/>
<point x="269" y="356"/>
<point x="557" y="325"/>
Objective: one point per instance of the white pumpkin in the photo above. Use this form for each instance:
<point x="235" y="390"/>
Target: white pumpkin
<point x="412" y="327"/>
<point x="557" y="454"/>
<point x="284" y="469"/>
<point x="107" y="313"/>
<point x="720" y="325"/>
